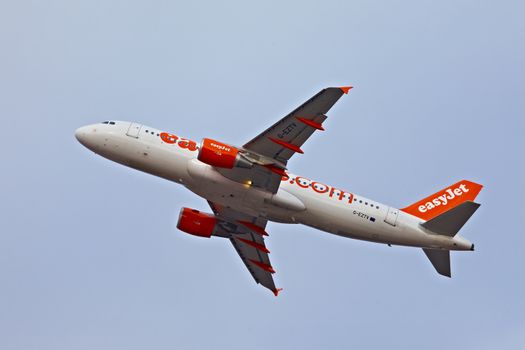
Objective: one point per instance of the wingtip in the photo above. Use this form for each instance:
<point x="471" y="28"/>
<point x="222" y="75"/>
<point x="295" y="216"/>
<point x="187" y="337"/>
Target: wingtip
<point x="345" y="89"/>
<point x="276" y="291"/>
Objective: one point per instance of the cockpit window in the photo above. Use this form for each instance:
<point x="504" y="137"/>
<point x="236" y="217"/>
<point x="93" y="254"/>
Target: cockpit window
<point x="112" y="123"/>
<point x="108" y="122"/>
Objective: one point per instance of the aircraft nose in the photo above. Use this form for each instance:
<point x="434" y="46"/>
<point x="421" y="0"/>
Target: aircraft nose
<point x="86" y="135"/>
<point x="81" y="134"/>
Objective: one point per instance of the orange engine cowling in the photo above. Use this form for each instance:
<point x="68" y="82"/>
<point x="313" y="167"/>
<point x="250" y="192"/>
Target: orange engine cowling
<point x="196" y="223"/>
<point x="218" y="154"/>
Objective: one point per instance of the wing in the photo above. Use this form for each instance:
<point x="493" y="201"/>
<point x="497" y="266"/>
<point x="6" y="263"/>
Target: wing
<point x="247" y="236"/>
<point x="271" y="150"/>
<point x="285" y="138"/>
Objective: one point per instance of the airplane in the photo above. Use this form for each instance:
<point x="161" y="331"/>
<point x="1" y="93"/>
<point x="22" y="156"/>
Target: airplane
<point x="250" y="185"/>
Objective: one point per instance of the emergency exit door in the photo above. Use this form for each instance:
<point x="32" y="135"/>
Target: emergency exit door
<point x="133" y="130"/>
<point x="391" y="216"/>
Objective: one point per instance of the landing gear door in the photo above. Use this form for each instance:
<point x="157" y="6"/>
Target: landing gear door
<point x="133" y="130"/>
<point x="391" y="216"/>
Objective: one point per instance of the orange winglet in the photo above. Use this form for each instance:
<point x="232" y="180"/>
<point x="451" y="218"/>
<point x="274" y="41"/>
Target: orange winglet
<point x="310" y="123"/>
<point x="276" y="291"/>
<point x="263" y="266"/>
<point x="345" y="89"/>
<point x="275" y="169"/>
<point x="256" y="245"/>
<point x="251" y="226"/>
<point x="290" y="146"/>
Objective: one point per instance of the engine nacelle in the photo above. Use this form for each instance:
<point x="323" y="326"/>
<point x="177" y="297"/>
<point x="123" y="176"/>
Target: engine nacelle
<point x="196" y="223"/>
<point x="221" y="155"/>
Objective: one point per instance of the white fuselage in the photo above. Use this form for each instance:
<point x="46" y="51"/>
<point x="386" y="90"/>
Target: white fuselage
<point x="298" y="200"/>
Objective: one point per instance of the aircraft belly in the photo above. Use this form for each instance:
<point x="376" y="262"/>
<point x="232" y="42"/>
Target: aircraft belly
<point x="354" y="221"/>
<point x="158" y="161"/>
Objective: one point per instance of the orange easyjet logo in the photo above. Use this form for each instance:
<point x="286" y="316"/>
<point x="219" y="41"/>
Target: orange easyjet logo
<point x="220" y="147"/>
<point x="444" y="199"/>
<point x="182" y="142"/>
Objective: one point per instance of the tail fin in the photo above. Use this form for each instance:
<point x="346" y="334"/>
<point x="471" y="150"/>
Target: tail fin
<point x="440" y="259"/>
<point x="444" y="200"/>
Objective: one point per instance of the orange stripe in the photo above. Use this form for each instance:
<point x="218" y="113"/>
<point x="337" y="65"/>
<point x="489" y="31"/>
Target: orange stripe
<point x="253" y="227"/>
<point x="256" y="245"/>
<point x="263" y="266"/>
<point x="310" y="123"/>
<point x="290" y="146"/>
<point x="275" y="169"/>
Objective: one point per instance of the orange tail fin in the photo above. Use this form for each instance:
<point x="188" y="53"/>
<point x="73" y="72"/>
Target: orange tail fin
<point x="444" y="200"/>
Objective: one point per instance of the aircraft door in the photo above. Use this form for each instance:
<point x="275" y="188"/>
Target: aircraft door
<point x="391" y="216"/>
<point x="133" y="130"/>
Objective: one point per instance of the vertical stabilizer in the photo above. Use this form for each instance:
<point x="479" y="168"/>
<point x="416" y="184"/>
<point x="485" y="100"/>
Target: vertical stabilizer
<point x="440" y="259"/>
<point x="444" y="200"/>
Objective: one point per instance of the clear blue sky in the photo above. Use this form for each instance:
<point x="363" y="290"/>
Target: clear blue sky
<point x="89" y="254"/>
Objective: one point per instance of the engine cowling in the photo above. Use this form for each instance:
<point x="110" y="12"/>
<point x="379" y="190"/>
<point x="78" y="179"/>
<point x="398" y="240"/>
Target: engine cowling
<point x="221" y="155"/>
<point x="196" y="223"/>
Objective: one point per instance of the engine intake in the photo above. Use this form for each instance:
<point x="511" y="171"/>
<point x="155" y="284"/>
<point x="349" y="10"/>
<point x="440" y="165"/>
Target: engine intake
<point x="221" y="155"/>
<point x="196" y="223"/>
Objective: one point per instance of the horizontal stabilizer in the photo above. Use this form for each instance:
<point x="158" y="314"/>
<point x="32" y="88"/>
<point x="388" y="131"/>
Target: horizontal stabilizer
<point x="450" y="222"/>
<point x="440" y="259"/>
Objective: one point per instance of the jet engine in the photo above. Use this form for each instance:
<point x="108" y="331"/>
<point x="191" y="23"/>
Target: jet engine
<point x="196" y="223"/>
<point x="221" y="155"/>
